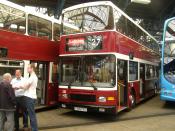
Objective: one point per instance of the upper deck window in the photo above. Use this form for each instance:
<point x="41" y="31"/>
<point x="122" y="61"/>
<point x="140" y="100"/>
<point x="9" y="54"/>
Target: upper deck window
<point x="12" y="19"/>
<point x="91" y="18"/>
<point x="39" y="27"/>
<point x="133" y="31"/>
<point x="56" y="32"/>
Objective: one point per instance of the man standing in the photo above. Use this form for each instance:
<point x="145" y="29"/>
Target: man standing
<point x="19" y="93"/>
<point x="7" y="103"/>
<point x="30" y="96"/>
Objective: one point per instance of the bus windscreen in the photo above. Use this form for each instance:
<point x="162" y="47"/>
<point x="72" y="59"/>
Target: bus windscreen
<point x="169" y="52"/>
<point x="85" y="70"/>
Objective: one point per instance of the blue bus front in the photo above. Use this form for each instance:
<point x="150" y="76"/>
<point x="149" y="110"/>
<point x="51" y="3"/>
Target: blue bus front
<point x="167" y="78"/>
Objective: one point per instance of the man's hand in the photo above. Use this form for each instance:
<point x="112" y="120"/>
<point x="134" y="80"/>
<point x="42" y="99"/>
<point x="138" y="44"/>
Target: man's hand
<point x="16" y="88"/>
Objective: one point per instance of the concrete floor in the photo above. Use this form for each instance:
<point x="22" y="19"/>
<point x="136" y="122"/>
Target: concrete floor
<point x="151" y="115"/>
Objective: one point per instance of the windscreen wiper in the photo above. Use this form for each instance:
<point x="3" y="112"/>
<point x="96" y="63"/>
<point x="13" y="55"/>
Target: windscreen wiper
<point x="70" y="83"/>
<point x="92" y="85"/>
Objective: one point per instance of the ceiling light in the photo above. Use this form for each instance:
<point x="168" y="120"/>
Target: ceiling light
<point x="141" y="1"/>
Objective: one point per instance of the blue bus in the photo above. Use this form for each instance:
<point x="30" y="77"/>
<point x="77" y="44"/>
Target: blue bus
<point x="167" y="77"/>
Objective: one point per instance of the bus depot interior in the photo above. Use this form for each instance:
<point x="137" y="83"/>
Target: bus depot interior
<point x="94" y="58"/>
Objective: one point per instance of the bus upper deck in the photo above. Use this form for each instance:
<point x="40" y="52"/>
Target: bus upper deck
<point x="105" y="16"/>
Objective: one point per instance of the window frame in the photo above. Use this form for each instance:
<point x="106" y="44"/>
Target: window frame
<point x="28" y="19"/>
<point x="137" y="71"/>
<point x="14" y="14"/>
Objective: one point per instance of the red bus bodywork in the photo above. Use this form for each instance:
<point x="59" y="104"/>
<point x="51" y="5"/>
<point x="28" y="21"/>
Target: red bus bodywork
<point x="113" y="42"/>
<point x="23" y="47"/>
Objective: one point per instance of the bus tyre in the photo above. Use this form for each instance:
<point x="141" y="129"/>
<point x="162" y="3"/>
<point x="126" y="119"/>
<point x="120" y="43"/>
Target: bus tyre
<point x="132" y="98"/>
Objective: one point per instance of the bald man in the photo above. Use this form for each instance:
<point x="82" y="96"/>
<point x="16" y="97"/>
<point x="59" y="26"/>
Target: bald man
<point x="20" y="105"/>
<point x="7" y="104"/>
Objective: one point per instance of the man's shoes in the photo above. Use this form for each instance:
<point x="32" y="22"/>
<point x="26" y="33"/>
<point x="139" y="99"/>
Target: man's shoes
<point x="16" y="129"/>
<point x="26" y="129"/>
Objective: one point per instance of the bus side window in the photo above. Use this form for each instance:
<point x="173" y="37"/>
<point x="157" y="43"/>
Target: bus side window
<point x="12" y="19"/>
<point x="150" y="71"/>
<point x="56" y="32"/>
<point x="120" y="22"/>
<point x="39" y="27"/>
<point x="131" y="30"/>
<point x="55" y="73"/>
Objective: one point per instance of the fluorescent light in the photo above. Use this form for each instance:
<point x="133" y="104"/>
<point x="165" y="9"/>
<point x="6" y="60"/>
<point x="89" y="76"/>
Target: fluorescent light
<point x="13" y="26"/>
<point x="141" y="1"/>
<point x="1" y="25"/>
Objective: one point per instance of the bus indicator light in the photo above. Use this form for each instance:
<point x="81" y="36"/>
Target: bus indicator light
<point x="110" y="98"/>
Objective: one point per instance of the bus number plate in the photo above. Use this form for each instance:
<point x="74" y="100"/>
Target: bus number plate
<point x="80" y="109"/>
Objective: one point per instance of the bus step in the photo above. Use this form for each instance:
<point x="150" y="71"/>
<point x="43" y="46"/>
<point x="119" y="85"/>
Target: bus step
<point x="122" y="108"/>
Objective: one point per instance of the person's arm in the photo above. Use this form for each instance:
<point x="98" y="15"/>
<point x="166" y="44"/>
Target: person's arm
<point x="14" y="86"/>
<point x="11" y="94"/>
<point x="27" y="84"/>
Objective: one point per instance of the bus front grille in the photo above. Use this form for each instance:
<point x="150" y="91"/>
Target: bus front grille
<point x="83" y="98"/>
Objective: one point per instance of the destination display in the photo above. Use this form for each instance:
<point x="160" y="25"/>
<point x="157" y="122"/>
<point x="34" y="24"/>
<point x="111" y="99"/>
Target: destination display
<point x="87" y="43"/>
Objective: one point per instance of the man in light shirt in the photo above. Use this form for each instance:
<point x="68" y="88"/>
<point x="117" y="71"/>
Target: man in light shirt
<point x="30" y="96"/>
<point x="16" y="83"/>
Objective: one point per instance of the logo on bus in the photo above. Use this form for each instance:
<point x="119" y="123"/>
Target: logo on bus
<point x="87" y="43"/>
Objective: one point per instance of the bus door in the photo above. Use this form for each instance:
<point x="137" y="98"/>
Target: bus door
<point x="52" y="90"/>
<point x="41" y="72"/>
<point x="122" y="84"/>
<point x="142" y="80"/>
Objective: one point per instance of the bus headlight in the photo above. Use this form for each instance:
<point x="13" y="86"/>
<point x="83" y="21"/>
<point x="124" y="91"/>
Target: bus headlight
<point x="65" y="96"/>
<point x="102" y="99"/>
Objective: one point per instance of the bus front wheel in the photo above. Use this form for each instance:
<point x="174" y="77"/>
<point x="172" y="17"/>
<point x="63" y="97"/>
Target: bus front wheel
<point x="132" y="99"/>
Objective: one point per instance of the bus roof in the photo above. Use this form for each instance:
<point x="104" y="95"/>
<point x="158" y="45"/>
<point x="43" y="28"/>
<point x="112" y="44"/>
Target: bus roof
<point x="27" y="11"/>
<point x="109" y="3"/>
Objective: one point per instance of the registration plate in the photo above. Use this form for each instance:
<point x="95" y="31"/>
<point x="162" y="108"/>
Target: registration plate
<point x="80" y="109"/>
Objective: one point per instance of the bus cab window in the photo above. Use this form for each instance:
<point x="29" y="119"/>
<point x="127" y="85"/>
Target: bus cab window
<point x="120" y="70"/>
<point x="133" y="71"/>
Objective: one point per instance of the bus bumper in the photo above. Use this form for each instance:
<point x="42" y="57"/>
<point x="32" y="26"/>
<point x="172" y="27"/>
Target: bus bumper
<point x="167" y="96"/>
<point x="89" y="108"/>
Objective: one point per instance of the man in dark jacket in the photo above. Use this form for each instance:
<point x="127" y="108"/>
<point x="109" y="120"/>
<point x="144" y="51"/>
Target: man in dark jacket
<point x="7" y="104"/>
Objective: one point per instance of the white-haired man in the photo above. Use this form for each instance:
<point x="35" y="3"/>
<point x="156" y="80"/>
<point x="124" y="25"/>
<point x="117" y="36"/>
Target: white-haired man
<point x="7" y="103"/>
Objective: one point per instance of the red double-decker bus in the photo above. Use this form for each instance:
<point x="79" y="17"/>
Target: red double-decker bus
<point x="110" y="65"/>
<point x="30" y="37"/>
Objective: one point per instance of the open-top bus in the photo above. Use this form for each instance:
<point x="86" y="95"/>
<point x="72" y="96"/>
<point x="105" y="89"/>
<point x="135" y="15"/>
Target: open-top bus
<point x="167" y="77"/>
<point x="110" y="65"/>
